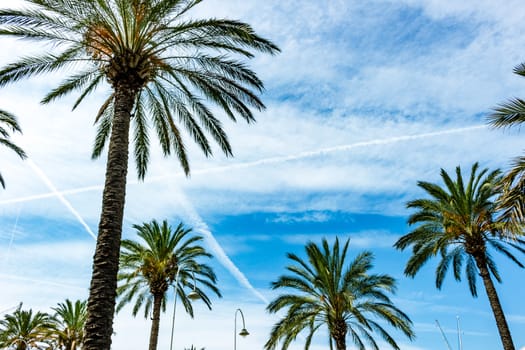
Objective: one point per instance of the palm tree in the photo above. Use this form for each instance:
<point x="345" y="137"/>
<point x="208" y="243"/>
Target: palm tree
<point x="164" y="69"/>
<point x="148" y="269"/>
<point x="506" y="115"/>
<point x="11" y="124"/>
<point x="460" y="224"/>
<point x="346" y="298"/>
<point x="23" y="330"/>
<point x="70" y="320"/>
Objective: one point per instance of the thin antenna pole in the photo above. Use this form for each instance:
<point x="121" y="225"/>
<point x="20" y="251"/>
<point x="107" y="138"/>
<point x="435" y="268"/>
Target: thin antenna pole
<point x="460" y="343"/>
<point x="443" y="335"/>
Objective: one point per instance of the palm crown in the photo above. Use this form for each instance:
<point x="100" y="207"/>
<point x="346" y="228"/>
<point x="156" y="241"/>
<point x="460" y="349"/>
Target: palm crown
<point x="167" y="257"/>
<point x="149" y="47"/>
<point x="70" y="318"/>
<point x="460" y="224"/>
<point x="346" y="298"/>
<point x="24" y="329"/>
<point x="149" y="269"/>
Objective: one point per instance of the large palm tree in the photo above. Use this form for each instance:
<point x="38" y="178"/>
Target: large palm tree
<point x="506" y="115"/>
<point x="23" y="330"/>
<point x="459" y="224"/>
<point x="164" y="70"/>
<point x="345" y="297"/>
<point x="166" y="256"/>
<point x="70" y="320"/>
<point x="9" y="123"/>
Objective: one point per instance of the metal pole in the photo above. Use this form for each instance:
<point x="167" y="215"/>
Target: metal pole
<point x="443" y="335"/>
<point x="460" y="343"/>
<point x="174" y="306"/>
<point x="235" y="328"/>
<point x="235" y="331"/>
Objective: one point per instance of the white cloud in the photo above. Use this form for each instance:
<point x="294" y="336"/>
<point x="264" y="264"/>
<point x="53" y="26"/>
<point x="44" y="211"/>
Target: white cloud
<point x="516" y="318"/>
<point x="358" y="240"/>
<point x="303" y="217"/>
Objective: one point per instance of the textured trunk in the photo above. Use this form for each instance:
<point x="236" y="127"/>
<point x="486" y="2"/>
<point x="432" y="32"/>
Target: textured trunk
<point x="339" y="334"/>
<point x="102" y="293"/>
<point x="495" y="304"/>
<point x="155" y="322"/>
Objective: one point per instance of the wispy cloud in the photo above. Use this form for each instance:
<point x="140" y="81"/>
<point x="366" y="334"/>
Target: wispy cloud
<point x="516" y="318"/>
<point x="362" y="240"/>
<point x="303" y="217"/>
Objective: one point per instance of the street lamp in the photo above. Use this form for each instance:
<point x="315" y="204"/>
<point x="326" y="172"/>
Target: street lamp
<point x="193" y="295"/>
<point x="242" y="333"/>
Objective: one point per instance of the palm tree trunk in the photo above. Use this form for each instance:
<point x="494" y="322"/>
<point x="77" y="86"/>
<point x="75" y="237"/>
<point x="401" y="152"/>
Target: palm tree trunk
<point x="102" y="293"/>
<point x="339" y="334"/>
<point x="495" y="304"/>
<point x="155" y="322"/>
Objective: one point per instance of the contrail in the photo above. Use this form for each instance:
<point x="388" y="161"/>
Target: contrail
<point x="272" y="160"/>
<point x="340" y="148"/>
<point x="60" y="196"/>
<point x="50" y="283"/>
<point x="12" y="237"/>
<point x="200" y="226"/>
<point x="51" y="194"/>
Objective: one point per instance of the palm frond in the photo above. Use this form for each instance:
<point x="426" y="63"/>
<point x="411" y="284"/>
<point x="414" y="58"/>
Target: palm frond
<point x="105" y="122"/>
<point x="91" y="78"/>
<point x="507" y="114"/>
<point x="141" y="139"/>
<point x="35" y="65"/>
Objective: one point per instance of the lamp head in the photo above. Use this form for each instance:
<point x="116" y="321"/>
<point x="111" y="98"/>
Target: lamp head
<point x="193" y="295"/>
<point x="243" y="332"/>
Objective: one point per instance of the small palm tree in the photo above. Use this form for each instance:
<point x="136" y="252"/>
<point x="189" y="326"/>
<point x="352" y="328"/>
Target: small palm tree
<point x="70" y="320"/>
<point x="344" y="297"/>
<point x="148" y="269"/>
<point x="8" y="122"/>
<point x="23" y="330"/>
<point x="165" y="72"/>
<point x="459" y="225"/>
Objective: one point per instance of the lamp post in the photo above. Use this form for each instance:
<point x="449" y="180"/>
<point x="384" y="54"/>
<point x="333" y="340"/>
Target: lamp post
<point x="242" y="333"/>
<point x="193" y="295"/>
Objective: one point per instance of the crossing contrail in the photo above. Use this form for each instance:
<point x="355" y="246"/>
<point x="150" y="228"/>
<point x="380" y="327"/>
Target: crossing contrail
<point x="199" y="224"/>
<point x="272" y="160"/>
<point x="60" y="196"/>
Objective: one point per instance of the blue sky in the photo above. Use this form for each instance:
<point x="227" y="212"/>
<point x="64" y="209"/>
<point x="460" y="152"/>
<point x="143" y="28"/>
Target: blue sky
<point x="366" y="98"/>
